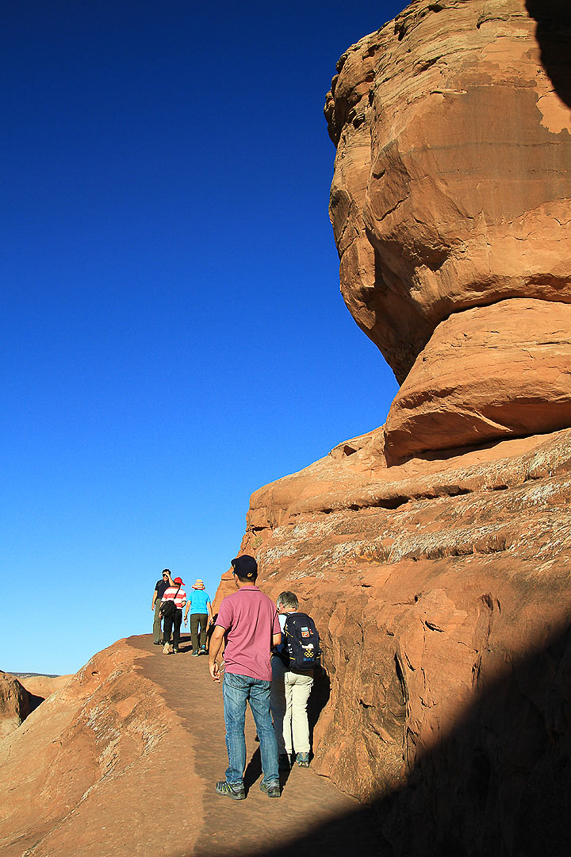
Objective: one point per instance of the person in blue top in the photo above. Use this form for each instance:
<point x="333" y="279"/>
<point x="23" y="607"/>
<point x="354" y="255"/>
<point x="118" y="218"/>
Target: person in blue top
<point x="200" y="609"/>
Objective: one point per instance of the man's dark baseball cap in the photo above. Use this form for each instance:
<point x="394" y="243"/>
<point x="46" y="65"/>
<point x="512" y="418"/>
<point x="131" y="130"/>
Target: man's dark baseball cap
<point x="245" y="567"/>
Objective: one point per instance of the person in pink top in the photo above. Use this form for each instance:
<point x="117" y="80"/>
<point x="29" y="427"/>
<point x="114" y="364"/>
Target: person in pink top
<point x="247" y="622"/>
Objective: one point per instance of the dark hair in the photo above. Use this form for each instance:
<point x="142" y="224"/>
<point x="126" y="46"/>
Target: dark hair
<point x="245" y="567"/>
<point x="166" y="571"/>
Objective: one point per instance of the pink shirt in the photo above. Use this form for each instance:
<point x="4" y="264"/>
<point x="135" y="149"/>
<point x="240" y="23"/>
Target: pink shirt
<point x="249" y="618"/>
<point x="179" y="597"/>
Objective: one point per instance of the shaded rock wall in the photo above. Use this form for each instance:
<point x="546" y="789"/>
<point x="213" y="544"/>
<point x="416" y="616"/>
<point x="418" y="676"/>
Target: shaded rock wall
<point x="14" y="703"/>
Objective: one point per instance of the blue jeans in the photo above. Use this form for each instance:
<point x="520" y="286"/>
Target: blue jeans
<point x="236" y="690"/>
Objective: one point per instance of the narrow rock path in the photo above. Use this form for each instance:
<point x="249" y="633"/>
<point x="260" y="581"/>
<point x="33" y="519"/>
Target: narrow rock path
<point x="312" y="814"/>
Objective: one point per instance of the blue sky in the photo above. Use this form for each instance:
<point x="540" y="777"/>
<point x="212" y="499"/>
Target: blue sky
<point x="173" y="336"/>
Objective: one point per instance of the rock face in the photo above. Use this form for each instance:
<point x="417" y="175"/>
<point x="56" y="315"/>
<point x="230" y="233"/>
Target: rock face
<point x="442" y="592"/>
<point x="452" y="397"/>
<point x="14" y="703"/>
<point x="452" y="191"/>
<point x="435" y="552"/>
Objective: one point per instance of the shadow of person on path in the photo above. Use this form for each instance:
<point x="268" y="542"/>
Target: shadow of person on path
<point x="318" y="699"/>
<point x="498" y="785"/>
<point x="253" y="770"/>
<point x="185" y="644"/>
<point x="553" y="34"/>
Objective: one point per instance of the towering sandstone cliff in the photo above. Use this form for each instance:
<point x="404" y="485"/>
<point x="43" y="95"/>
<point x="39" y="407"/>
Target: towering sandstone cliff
<point x="435" y="551"/>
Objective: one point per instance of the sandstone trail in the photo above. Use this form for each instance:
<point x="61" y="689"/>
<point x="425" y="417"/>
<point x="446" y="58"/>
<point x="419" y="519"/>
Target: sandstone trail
<point x="124" y="758"/>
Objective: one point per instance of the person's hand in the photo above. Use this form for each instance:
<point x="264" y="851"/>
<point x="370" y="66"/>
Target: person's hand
<point x="214" y="671"/>
<point x="186" y="621"/>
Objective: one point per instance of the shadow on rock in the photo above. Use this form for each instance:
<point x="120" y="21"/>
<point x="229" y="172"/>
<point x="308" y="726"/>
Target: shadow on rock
<point x="35" y="701"/>
<point x="553" y="34"/>
<point x="497" y="786"/>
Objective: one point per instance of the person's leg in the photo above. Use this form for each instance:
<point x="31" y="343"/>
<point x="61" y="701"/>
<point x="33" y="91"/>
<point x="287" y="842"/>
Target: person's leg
<point x="176" y="631"/>
<point x="235" y="690"/>
<point x="301" y="687"/>
<point x="157" y="622"/>
<point x="202" y="618"/>
<point x="288" y="696"/>
<point x="277" y="702"/>
<point x="167" y="629"/>
<point x="194" y="632"/>
<point x="260" y="705"/>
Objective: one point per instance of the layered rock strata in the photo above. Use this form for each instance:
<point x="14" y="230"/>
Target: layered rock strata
<point x="452" y="191"/>
<point x="442" y="592"/>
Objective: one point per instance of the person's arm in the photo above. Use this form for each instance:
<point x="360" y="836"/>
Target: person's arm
<point x="154" y="599"/>
<point x="186" y="611"/>
<point x="276" y="640"/>
<point x="209" y="608"/>
<point x="216" y="642"/>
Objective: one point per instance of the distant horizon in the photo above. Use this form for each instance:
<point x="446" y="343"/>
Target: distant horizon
<point x="174" y="334"/>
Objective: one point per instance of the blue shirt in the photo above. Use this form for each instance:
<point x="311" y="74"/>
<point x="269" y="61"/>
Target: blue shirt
<point x="198" y="598"/>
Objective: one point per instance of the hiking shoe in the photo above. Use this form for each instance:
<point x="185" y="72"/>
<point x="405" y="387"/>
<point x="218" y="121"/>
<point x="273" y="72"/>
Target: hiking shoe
<point x="283" y="762"/>
<point x="302" y="760"/>
<point x="167" y="649"/>
<point x="175" y="651"/>
<point x="157" y="643"/>
<point x="270" y="789"/>
<point x="236" y="792"/>
<point x="196" y="654"/>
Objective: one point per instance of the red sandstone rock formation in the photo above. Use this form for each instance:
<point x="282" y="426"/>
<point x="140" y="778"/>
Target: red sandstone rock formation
<point x="435" y="552"/>
<point x="42" y="686"/>
<point x="87" y="772"/>
<point x="14" y="703"/>
<point x="452" y="191"/>
<point x="441" y="589"/>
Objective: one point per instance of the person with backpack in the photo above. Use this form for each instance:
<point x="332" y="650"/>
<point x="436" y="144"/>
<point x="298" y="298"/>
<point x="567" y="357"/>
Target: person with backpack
<point x="293" y="663"/>
<point x="174" y="599"/>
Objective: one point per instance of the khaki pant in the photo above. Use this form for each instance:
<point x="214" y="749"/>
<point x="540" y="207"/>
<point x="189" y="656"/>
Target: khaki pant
<point x="290" y="695"/>
<point x="198" y="640"/>
<point x="157" y="621"/>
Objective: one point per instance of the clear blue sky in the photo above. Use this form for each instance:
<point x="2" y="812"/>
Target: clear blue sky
<point x="173" y="336"/>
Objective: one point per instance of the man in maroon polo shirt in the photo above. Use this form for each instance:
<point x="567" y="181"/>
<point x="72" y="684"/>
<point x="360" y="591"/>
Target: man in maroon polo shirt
<point x="247" y="621"/>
